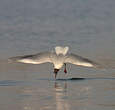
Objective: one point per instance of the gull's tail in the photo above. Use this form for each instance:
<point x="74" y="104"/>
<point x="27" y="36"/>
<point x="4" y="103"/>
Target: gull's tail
<point x="61" y="50"/>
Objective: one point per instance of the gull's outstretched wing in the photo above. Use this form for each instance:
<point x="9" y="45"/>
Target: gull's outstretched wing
<point x="33" y="59"/>
<point x="78" y="60"/>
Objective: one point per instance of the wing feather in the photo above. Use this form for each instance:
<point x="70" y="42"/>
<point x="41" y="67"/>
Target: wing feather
<point x="78" y="60"/>
<point x="33" y="59"/>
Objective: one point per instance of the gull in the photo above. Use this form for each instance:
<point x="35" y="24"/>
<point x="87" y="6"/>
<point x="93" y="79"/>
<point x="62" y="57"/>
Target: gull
<point x="60" y="57"/>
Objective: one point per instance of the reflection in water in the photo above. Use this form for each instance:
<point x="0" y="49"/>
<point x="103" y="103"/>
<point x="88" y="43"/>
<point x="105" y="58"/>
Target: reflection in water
<point x="55" y="97"/>
<point x="61" y="97"/>
<point x="34" y="98"/>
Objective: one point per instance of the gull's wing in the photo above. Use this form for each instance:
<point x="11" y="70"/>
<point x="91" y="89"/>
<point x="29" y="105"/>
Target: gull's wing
<point x="78" y="60"/>
<point x="33" y="59"/>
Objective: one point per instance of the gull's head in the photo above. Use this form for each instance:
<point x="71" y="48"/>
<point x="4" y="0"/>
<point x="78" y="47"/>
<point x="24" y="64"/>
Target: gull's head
<point x="55" y="72"/>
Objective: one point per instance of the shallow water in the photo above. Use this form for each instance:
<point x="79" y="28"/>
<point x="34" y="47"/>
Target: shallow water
<point x="86" y="26"/>
<point x="48" y="94"/>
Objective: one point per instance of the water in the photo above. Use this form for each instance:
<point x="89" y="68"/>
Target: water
<point x="86" y="26"/>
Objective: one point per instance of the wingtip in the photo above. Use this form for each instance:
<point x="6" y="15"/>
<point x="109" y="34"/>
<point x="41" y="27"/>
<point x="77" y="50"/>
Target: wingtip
<point x="12" y="59"/>
<point x="99" y="66"/>
<point x="9" y="60"/>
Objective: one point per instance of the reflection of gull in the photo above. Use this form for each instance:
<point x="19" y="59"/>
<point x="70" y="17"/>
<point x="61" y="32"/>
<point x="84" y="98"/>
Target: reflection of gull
<point x="61" y="103"/>
<point x="58" y="58"/>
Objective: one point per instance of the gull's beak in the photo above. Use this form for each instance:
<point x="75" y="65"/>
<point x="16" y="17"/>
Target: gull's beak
<point x="55" y="72"/>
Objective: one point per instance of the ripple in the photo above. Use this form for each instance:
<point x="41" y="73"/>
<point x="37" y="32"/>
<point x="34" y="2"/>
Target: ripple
<point x="76" y="79"/>
<point x="9" y="82"/>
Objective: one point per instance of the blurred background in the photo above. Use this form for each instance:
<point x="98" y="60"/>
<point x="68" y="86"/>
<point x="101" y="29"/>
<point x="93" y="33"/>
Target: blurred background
<point x="33" y="26"/>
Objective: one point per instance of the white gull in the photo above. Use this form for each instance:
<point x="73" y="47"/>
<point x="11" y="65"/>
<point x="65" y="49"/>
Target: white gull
<point x="59" y="58"/>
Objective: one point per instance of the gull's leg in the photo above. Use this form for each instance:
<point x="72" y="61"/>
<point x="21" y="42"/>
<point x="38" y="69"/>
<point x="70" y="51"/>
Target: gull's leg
<point x="55" y="75"/>
<point x="65" y="71"/>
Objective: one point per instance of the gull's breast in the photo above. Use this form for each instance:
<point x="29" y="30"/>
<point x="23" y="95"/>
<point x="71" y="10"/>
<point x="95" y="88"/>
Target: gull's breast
<point x="58" y="61"/>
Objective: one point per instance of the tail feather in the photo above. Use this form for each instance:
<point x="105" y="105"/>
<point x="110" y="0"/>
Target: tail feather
<point x="61" y="50"/>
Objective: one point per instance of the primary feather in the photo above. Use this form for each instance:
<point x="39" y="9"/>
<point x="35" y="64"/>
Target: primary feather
<point x="78" y="60"/>
<point x="34" y="59"/>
